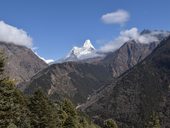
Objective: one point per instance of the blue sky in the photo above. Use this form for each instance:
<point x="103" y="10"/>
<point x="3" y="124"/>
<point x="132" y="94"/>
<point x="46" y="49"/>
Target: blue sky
<point x="57" y="25"/>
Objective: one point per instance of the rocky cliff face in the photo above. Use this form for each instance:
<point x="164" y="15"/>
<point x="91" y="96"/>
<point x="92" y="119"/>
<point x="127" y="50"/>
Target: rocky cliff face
<point x="20" y="62"/>
<point x="139" y="97"/>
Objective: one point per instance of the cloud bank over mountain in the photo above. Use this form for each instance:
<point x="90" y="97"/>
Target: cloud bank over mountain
<point x="48" y="61"/>
<point x="132" y="34"/>
<point x="11" y="34"/>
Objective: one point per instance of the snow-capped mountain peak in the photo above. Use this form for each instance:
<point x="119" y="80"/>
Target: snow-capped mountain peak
<point x="88" y="45"/>
<point x="78" y="53"/>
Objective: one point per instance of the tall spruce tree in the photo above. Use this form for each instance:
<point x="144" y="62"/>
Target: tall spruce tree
<point x="42" y="111"/>
<point x="110" y="124"/>
<point x="153" y="121"/>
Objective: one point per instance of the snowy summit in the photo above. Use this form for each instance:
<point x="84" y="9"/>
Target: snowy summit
<point x="88" y="45"/>
<point x="79" y="53"/>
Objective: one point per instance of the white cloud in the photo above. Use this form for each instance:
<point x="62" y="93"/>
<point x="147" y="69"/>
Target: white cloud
<point x="91" y="55"/>
<point x="48" y="61"/>
<point x="117" y="17"/>
<point x="11" y="34"/>
<point x="34" y="48"/>
<point x="127" y="35"/>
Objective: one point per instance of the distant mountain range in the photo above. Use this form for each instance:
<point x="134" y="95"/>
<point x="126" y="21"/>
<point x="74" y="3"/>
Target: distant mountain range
<point x="79" y="79"/>
<point x="88" y="53"/>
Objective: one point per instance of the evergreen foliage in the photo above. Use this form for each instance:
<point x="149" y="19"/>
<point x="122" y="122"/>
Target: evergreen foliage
<point x="153" y="121"/>
<point x="110" y="124"/>
<point x="13" y="108"/>
<point x="42" y="111"/>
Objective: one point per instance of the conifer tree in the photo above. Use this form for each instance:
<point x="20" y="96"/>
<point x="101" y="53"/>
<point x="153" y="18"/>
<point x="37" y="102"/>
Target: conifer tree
<point x="110" y="124"/>
<point x="42" y="111"/>
<point x="153" y="121"/>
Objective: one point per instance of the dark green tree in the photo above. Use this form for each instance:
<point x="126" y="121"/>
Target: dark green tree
<point x="71" y="120"/>
<point x="13" y="107"/>
<point x="43" y="114"/>
<point x="69" y="108"/>
<point x="83" y="122"/>
<point x="61" y="117"/>
<point x="70" y="123"/>
<point x="110" y="124"/>
<point x="11" y="125"/>
<point x="2" y="61"/>
<point x="153" y="122"/>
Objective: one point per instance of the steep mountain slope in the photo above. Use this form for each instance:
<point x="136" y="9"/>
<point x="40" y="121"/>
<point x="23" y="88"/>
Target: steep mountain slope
<point x="127" y="56"/>
<point x="138" y="98"/>
<point x="20" y="62"/>
<point x="134" y="51"/>
<point x="71" y="79"/>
